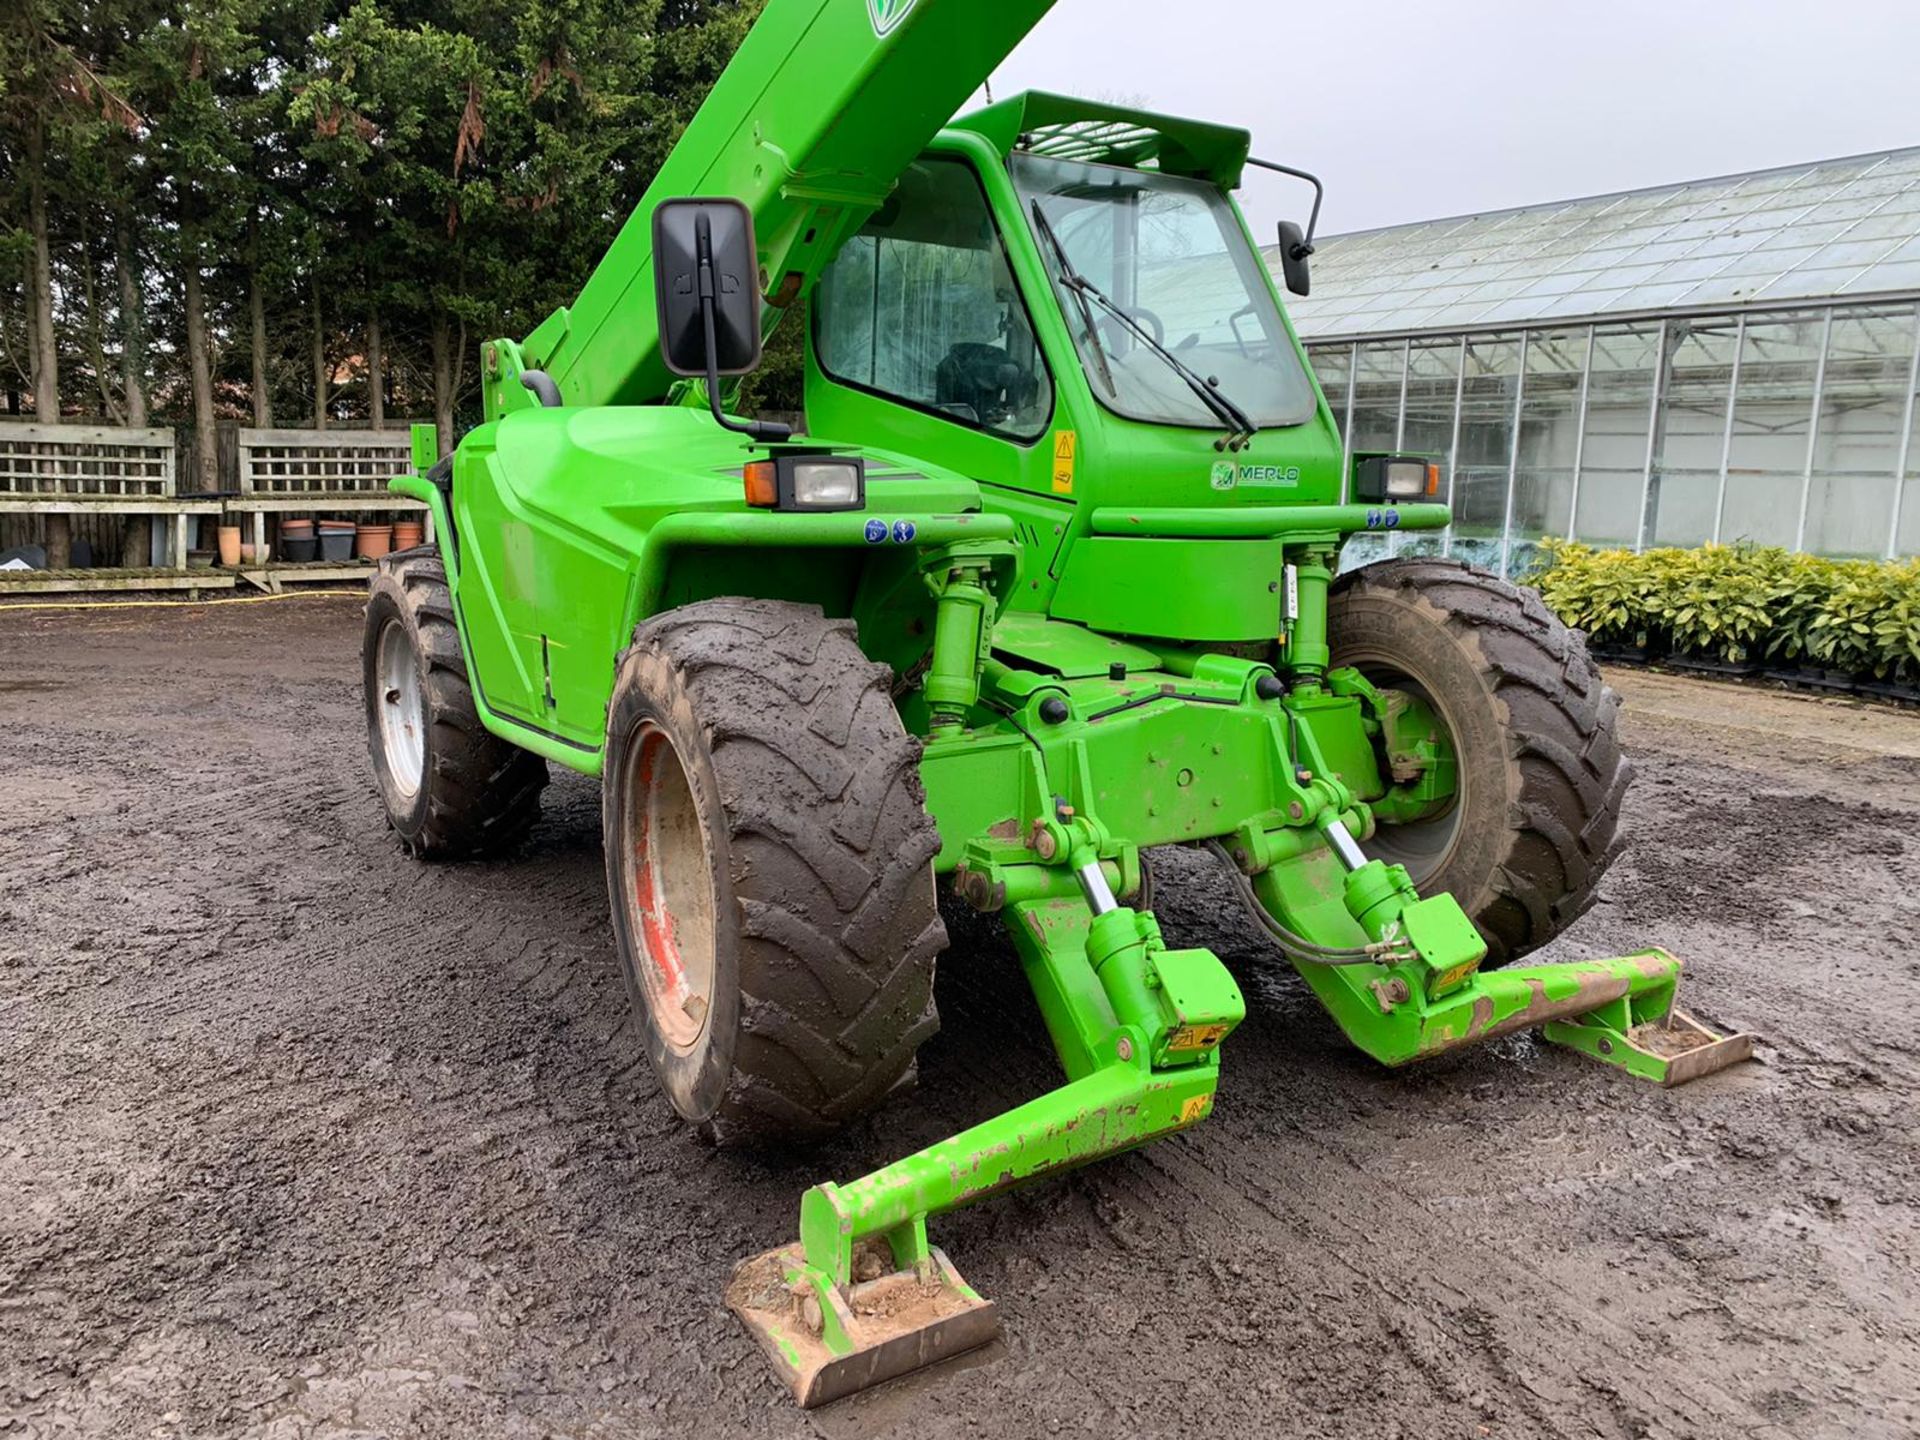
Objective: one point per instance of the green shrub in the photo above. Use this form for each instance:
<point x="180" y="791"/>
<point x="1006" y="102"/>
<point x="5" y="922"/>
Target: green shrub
<point x="1741" y="602"/>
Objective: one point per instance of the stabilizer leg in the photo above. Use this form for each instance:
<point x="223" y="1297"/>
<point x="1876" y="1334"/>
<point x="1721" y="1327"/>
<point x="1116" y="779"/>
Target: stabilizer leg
<point x="863" y="1297"/>
<point x="1409" y="985"/>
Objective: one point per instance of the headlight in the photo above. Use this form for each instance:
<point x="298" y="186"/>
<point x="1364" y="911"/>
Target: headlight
<point x="825" y="485"/>
<point x="808" y="482"/>
<point x="1394" y="477"/>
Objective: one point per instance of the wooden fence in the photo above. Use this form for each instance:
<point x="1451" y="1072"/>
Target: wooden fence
<point x="120" y="488"/>
<point x="46" y="460"/>
<point x="348" y="463"/>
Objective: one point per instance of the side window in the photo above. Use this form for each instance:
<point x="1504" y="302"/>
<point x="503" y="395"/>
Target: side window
<point x="921" y="306"/>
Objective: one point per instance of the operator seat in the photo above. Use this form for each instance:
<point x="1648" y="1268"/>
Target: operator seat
<point x="983" y="379"/>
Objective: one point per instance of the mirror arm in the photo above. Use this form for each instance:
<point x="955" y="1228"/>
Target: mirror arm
<point x="752" y="429"/>
<point x="1305" y="247"/>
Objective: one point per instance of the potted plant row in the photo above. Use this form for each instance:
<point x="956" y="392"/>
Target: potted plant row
<point x="1742" y="609"/>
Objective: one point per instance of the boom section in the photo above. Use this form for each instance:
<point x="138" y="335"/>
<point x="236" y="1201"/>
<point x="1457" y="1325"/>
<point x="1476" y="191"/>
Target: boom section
<point x="823" y="106"/>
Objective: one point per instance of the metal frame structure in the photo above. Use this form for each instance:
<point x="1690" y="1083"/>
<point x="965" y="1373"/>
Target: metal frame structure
<point x="1822" y="242"/>
<point x="1903" y="460"/>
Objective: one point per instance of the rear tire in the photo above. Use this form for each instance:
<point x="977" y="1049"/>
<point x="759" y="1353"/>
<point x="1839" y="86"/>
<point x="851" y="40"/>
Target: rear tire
<point x="451" y="789"/>
<point x="769" y="864"/>
<point x="1542" y="775"/>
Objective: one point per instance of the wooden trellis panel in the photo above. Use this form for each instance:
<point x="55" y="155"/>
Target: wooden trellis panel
<point x="107" y="460"/>
<point x="332" y="462"/>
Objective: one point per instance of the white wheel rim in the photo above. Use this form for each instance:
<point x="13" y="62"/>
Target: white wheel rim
<point x="1423" y="846"/>
<point x="403" y="730"/>
<point x="668" y="892"/>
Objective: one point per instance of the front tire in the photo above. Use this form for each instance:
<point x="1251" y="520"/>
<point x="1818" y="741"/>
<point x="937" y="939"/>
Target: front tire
<point x="1541" y="774"/>
<point x="769" y="864"/>
<point x="451" y="789"/>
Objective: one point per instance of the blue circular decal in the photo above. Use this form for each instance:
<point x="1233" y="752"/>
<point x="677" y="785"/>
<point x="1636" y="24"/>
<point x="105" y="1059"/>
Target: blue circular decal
<point x="902" y="531"/>
<point x="876" y="531"/>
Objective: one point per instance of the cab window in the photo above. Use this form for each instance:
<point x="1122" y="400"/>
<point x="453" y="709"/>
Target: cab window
<point x="920" y="306"/>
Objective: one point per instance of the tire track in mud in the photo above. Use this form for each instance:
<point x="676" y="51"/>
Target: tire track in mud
<point x="300" y="1138"/>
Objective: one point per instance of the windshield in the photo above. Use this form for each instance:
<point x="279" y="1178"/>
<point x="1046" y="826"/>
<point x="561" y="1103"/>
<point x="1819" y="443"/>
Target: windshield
<point x="1170" y="252"/>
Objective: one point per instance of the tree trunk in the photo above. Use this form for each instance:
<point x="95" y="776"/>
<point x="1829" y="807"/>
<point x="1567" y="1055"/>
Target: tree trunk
<point x="319" y="361"/>
<point x="262" y="399"/>
<point x="376" y="374"/>
<point x="96" y="330"/>
<point x="206" y="441"/>
<point x="133" y="324"/>
<point x="135" y="530"/>
<point x="45" y="351"/>
<point x="443" y="382"/>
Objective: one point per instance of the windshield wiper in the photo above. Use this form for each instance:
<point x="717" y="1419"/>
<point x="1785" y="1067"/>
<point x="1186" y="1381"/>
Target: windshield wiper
<point x="1240" y="426"/>
<point x="1074" y="283"/>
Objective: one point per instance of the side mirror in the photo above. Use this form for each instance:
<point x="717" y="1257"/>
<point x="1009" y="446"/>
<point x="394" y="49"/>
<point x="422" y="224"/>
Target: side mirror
<point x="705" y="249"/>
<point x="706" y="283"/>
<point x="1294" y="251"/>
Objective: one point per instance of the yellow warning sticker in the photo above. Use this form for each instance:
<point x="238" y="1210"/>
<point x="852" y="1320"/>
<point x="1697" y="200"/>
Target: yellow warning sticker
<point x="1195" y="1107"/>
<point x="1196" y="1037"/>
<point x="1064" y="443"/>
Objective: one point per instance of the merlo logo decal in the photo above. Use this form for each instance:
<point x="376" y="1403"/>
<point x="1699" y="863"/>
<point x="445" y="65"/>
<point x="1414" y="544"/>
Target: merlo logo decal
<point x="886" y="14"/>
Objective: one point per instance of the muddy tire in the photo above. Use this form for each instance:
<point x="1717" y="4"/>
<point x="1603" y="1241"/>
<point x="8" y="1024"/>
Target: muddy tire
<point x="1541" y="771"/>
<point x="451" y="789"/>
<point x="769" y="864"/>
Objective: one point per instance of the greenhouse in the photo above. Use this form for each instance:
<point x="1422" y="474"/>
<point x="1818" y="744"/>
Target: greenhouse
<point x="1727" y="360"/>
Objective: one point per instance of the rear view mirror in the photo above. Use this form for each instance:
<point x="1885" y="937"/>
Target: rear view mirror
<point x="705" y="248"/>
<point x="1294" y="251"/>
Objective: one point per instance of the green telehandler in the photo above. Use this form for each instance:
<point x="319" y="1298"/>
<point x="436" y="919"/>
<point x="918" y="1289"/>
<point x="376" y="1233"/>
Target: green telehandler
<point x="1052" y="578"/>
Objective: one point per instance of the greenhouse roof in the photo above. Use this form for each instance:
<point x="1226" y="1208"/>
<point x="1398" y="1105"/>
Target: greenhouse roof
<point x="1836" y="228"/>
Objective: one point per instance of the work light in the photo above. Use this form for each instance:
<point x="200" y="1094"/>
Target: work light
<point x="1394" y="477"/>
<point x="807" y="482"/>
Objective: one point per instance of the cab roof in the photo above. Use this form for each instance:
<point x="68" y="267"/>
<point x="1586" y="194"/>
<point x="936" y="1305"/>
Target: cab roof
<point x="1061" y="127"/>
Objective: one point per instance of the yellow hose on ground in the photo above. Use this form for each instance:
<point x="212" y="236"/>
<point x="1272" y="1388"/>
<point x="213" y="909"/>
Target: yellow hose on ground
<point x="7" y="608"/>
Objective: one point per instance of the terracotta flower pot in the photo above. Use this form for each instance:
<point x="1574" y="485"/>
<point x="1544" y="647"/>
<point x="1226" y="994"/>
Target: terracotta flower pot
<point x="407" y="534"/>
<point x="229" y="544"/>
<point x="296" y="529"/>
<point x="370" y="542"/>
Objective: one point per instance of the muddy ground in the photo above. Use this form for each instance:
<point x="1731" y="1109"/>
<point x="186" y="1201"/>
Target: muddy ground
<point x="298" y="1137"/>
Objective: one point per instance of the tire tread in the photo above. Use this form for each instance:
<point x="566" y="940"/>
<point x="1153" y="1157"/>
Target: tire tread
<point x="832" y="848"/>
<point x="1572" y="772"/>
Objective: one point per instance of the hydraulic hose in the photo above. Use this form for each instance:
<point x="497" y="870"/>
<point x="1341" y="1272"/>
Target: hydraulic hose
<point x="1298" y="947"/>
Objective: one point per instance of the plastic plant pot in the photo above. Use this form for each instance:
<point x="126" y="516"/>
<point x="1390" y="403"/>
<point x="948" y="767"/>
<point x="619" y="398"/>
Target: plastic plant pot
<point x="336" y="540"/>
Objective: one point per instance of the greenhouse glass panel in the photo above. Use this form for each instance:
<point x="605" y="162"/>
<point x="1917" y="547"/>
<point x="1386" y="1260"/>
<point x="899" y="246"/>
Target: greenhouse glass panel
<point x="1792" y="234"/>
<point x="1772" y="417"/>
<point x="1376" y="395"/>
<point x="1549" y="439"/>
<point x="1683" y="494"/>
<point x="1613" y="450"/>
<point x="1863" y="407"/>
<point x="1906" y="529"/>
<point x="1332" y="367"/>
<point x="1433" y="382"/>
<point x="1487" y="393"/>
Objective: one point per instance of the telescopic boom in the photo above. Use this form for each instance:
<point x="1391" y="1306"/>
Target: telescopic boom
<point x="822" y="108"/>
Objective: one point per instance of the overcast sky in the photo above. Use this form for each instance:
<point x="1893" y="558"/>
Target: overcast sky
<point x="1414" y="109"/>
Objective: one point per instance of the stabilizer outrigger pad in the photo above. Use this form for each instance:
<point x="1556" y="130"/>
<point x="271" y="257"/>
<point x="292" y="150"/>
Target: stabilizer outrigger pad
<point x="1671" y="1050"/>
<point x="897" y="1322"/>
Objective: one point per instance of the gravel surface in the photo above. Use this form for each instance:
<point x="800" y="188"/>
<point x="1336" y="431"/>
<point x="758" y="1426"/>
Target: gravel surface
<point x="299" y="1137"/>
